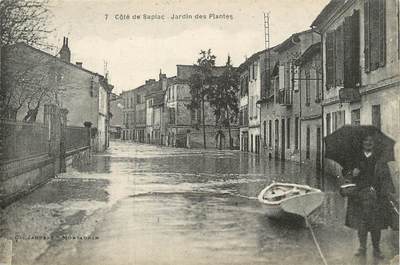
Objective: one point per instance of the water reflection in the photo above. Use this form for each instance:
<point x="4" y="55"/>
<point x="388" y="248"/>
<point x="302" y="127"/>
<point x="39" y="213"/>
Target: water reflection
<point x="205" y="202"/>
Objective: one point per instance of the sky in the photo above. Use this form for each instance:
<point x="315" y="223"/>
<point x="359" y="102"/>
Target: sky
<point x="135" y="50"/>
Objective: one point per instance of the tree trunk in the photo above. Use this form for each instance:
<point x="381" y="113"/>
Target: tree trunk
<point x="229" y="129"/>
<point x="204" y="123"/>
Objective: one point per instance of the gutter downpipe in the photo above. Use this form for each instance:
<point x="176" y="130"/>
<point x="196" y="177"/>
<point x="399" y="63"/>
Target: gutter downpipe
<point x="322" y="183"/>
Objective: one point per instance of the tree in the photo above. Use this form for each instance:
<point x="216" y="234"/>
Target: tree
<point x="24" y="21"/>
<point x="200" y="84"/>
<point x="223" y="97"/>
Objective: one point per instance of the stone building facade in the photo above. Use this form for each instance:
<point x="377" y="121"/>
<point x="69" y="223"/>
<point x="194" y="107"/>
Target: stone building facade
<point x="33" y="78"/>
<point x="361" y="54"/>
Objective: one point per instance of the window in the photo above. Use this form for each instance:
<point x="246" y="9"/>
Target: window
<point x="276" y="134"/>
<point x="334" y="121"/>
<point x="351" y="38"/>
<point x="328" y="123"/>
<point x="251" y="143"/>
<point x="308" y="97"/>
<point x="172" y="116"/>
<point x="339" y="56"/>
<point x="376" y="116"/>
<point x="288" y="133"/>
<point x="355" y="117"/>
<point x="255" y="65"/>
<point x="296" y="132"/>
<point x="317" y="87"/>
<point x="308" y="140"/>
<point x="265" y="132"/>
<point x="270" y="133"/>
<point x="375" y="34"/>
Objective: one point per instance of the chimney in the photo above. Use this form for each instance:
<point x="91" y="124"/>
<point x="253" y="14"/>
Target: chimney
<point x="65" y="53"/>
<point x="150" y="81"/>
<point x="79" y="64"/>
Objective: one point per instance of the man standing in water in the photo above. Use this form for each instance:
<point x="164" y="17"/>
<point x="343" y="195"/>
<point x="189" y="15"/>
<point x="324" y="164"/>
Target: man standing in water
<point x="368" y="208"/>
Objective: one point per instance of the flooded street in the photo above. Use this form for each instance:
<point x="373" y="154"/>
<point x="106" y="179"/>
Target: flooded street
<point x="142" y="204"/>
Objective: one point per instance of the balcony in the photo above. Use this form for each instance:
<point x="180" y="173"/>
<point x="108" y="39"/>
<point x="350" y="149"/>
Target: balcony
<point x="349" y="95"/>
<point x="285" y="97"/>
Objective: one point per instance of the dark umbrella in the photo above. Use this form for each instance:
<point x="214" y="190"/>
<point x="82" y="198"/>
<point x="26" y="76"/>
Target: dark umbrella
<point x="344" y="144"/>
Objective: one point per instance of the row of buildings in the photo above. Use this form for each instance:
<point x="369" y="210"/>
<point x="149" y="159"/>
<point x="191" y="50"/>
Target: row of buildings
<point x="344" y="70"/>
<point x="32" y="78"/>
<point x="157" y="112"/>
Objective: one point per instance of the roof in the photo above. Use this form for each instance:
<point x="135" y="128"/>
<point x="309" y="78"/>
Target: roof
<point x="55" y="57"/>
<point x="254" y="57"/>
<point x="291" y="41"/>
<point x="184" y="72"/>
<point x="307" y="54"/>
<point x="327" y="11"/>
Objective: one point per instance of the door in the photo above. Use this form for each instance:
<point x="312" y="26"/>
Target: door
<point x="318" y="155"/>
<point x="276" y="139"/>
<point x="283" y="139"/>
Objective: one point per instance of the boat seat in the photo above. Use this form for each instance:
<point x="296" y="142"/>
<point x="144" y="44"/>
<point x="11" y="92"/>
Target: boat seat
<point x="279" y="194"/>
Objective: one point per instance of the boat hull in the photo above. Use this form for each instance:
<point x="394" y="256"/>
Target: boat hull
<point x="291" y="207"/>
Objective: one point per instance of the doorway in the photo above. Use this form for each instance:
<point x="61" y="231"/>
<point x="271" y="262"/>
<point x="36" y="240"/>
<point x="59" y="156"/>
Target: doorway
<point x="283" y="139"/>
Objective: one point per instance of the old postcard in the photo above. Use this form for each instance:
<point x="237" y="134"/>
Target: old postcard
<point x="199" y="132"/>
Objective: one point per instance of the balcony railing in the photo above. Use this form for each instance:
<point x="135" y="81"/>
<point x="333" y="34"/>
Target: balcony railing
<point x="348" y="95"/>
<point x="285" y="97"/>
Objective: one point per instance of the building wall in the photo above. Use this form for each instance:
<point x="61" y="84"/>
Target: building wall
<point x="78" y="90"/>
<point x="283" y="144"/>
<point x="378" y="87"/>
<point x="310" y="95"/>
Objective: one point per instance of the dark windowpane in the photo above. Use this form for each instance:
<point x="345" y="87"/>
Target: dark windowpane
<point x="376" y="116"/>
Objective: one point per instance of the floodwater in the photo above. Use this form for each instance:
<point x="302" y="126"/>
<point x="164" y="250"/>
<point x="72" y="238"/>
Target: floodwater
<point x="156" y="205"/>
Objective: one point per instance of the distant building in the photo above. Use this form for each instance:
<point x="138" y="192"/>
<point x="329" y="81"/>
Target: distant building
<point x="117" y="116"/>
<point x="55" y="80"/>
<point x="280" y="103"/>
<point x="310" y="96"/>
<point x="181" y="122"/>
<point x="243" y="107"/>
<point x="128" y="115"/>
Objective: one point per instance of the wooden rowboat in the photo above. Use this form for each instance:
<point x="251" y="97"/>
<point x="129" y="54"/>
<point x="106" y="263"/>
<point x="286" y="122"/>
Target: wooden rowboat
<point x="286" y="199"/>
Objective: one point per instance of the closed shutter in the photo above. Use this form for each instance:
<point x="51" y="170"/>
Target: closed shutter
<point x="367" y="48"/>
<point x="355" y="42"/>
<point x="347" y="39"/>
<point x="288" y="76"/>
<point x="374" y="37"/>
<point x="281" y="77"/>
<point x="296" y="78"/>
<point x="376" y="116"/>
<point x="330" y="66"/>
<point x="339" y="56"/>
<point x="263" y="84"/>
<point x="382" y="32"/>
<point x="268" y="82"/>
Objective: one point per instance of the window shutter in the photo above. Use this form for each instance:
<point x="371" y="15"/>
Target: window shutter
<point x="367" y="48"/>
<point x="287" y="75"/>
<point x="374" y="37"/>
<point x="382" y="32"/>
<point x="267" y="81"/>
<point x="330" y="69"/>
<point x="339" y="56"/>
<point x="355" y="42"/>
<point x="281" y="77"/>
<point x="296" y="78"/>
<point x="347" y="39"/>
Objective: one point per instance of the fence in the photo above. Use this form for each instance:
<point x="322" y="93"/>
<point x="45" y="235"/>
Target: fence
<point x="76" y="137"/>
<point x="21" y="139"/>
